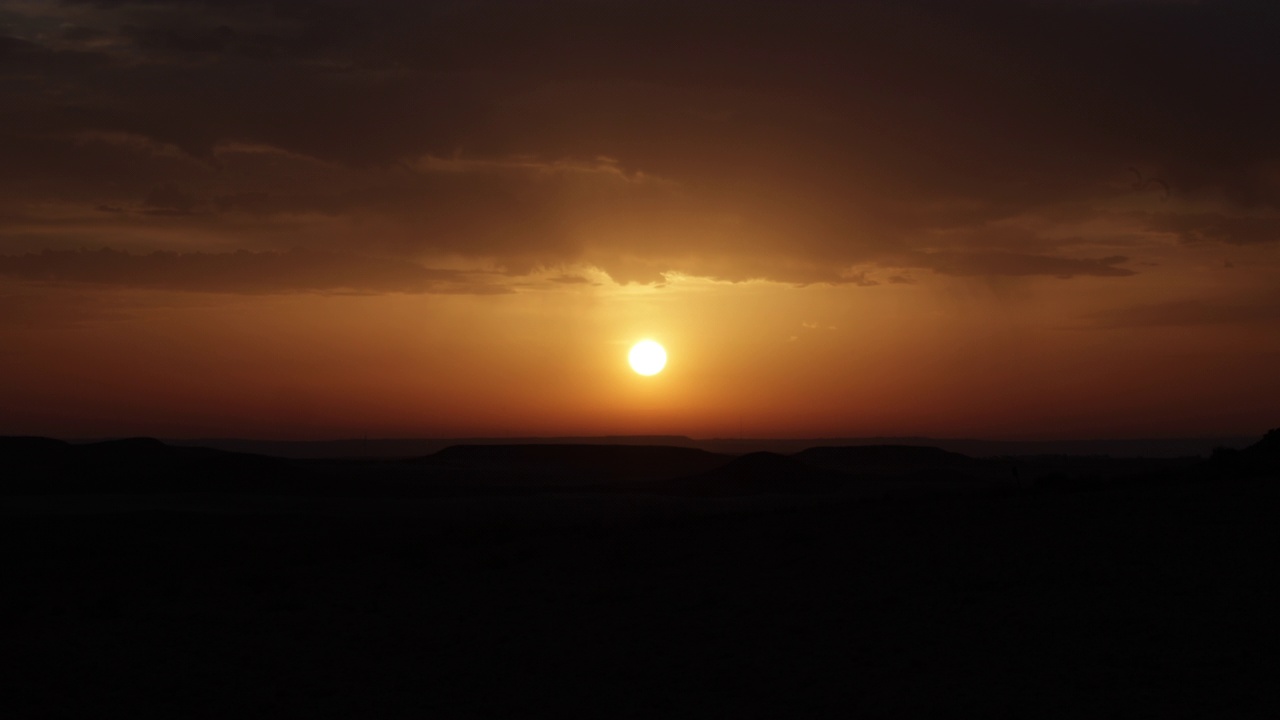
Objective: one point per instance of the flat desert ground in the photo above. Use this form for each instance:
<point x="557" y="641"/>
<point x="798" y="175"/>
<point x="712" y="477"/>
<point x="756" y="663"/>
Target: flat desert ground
<point x="1151" y="592"/>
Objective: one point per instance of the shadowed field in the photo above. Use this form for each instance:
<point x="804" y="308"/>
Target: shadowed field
<point x="269" y="591"/>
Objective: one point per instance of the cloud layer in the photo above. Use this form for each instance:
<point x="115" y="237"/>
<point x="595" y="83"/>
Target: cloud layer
<point x="241" y="272"/>
<point x="805" y="142"/>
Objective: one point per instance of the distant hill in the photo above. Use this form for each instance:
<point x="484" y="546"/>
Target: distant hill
<point x="418" y="447"/>
<point x="1268" y="446"/>
<point x="576" y="464"/>
<point x="872" y="469"/>
<point x="760" y="472"/>
<point x="410" y="447"/>
<point x="21" y="452"/>
<point x="44" y="466"/>
<point x="975" y="448"/>
<point x="1260" y="458"/>
<point x="883" y="459"/>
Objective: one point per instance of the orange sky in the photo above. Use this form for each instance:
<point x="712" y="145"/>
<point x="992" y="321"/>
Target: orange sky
<point x="314" y="220"/>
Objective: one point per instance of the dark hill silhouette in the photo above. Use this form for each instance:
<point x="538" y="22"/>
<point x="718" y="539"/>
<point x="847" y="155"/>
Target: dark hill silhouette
<point x="759" y="472"/>
<point x="405" y="448"/>
<point x="991" y="604"/>
<point x="23" y="451"/>
<point x="881" y="459"/>
<point x="1260" y="458"/>
<point x="408" y="448"/>
<point x="139" y="449"/>
<point x="39" y="466"/>
<point x="576" y="464"/>
<point x="1268" y="446"/>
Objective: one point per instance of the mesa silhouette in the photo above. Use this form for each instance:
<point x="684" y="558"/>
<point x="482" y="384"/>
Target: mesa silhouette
<point x="36" y="466"/>
<point x="574" y="464"/>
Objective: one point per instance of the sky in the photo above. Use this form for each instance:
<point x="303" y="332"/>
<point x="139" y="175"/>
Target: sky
<point x="308" y="219"/>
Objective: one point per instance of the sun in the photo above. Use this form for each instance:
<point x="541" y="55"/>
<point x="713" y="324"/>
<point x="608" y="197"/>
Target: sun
<point x="647" y="357"/>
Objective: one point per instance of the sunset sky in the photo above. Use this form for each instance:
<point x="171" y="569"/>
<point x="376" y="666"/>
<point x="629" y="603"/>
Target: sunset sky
<point x="337" y="218"/>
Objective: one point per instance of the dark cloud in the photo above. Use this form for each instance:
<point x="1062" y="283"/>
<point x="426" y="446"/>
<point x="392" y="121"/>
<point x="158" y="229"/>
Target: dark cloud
<point x="196" y="40"/>
<point x="264" y="203"/>
<point x="1217" y="227"/>
<point x="169" y="200"/>
<point x="732" y="139"/>
<point x="994" y="263"/>
<point x="570" y="280"/>
<point x="241" y="272"/>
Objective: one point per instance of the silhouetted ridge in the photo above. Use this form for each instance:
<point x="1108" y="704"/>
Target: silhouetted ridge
<point x="138" y="448"/>
<point x="883" y="458"/>
<point x="1260" y="458"/>
<point x="42" y="466"/>
<point x="1268" y="446"/>
<point x="577" y="463"/>
<point x="764" y="464"/>
<point x="25" y="450"/>
<point x="760" y="472"/>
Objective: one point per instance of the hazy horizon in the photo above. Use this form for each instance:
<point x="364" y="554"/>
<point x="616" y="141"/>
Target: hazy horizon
<point x="727" y="438"/>
<point x="376" y="447"/>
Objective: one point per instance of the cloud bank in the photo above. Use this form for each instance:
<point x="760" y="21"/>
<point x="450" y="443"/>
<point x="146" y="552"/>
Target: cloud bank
<point x="801" y="143"/>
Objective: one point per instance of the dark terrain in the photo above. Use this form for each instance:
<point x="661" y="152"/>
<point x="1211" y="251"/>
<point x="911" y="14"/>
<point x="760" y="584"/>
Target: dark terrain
<point x="143" y="579"/>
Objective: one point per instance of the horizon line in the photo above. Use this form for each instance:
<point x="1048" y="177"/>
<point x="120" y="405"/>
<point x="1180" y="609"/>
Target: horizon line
<point x="656" y="436"/>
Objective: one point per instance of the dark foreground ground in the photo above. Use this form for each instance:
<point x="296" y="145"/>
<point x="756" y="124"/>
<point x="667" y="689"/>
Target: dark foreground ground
<point x="1155" y="597"/>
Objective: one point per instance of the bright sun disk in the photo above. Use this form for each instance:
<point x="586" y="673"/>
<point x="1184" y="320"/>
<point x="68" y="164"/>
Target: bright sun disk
<point x="647" y="357"/>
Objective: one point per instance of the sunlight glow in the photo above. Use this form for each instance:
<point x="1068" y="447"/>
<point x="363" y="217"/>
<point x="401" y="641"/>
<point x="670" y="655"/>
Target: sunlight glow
<point x="647" y="357"/>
